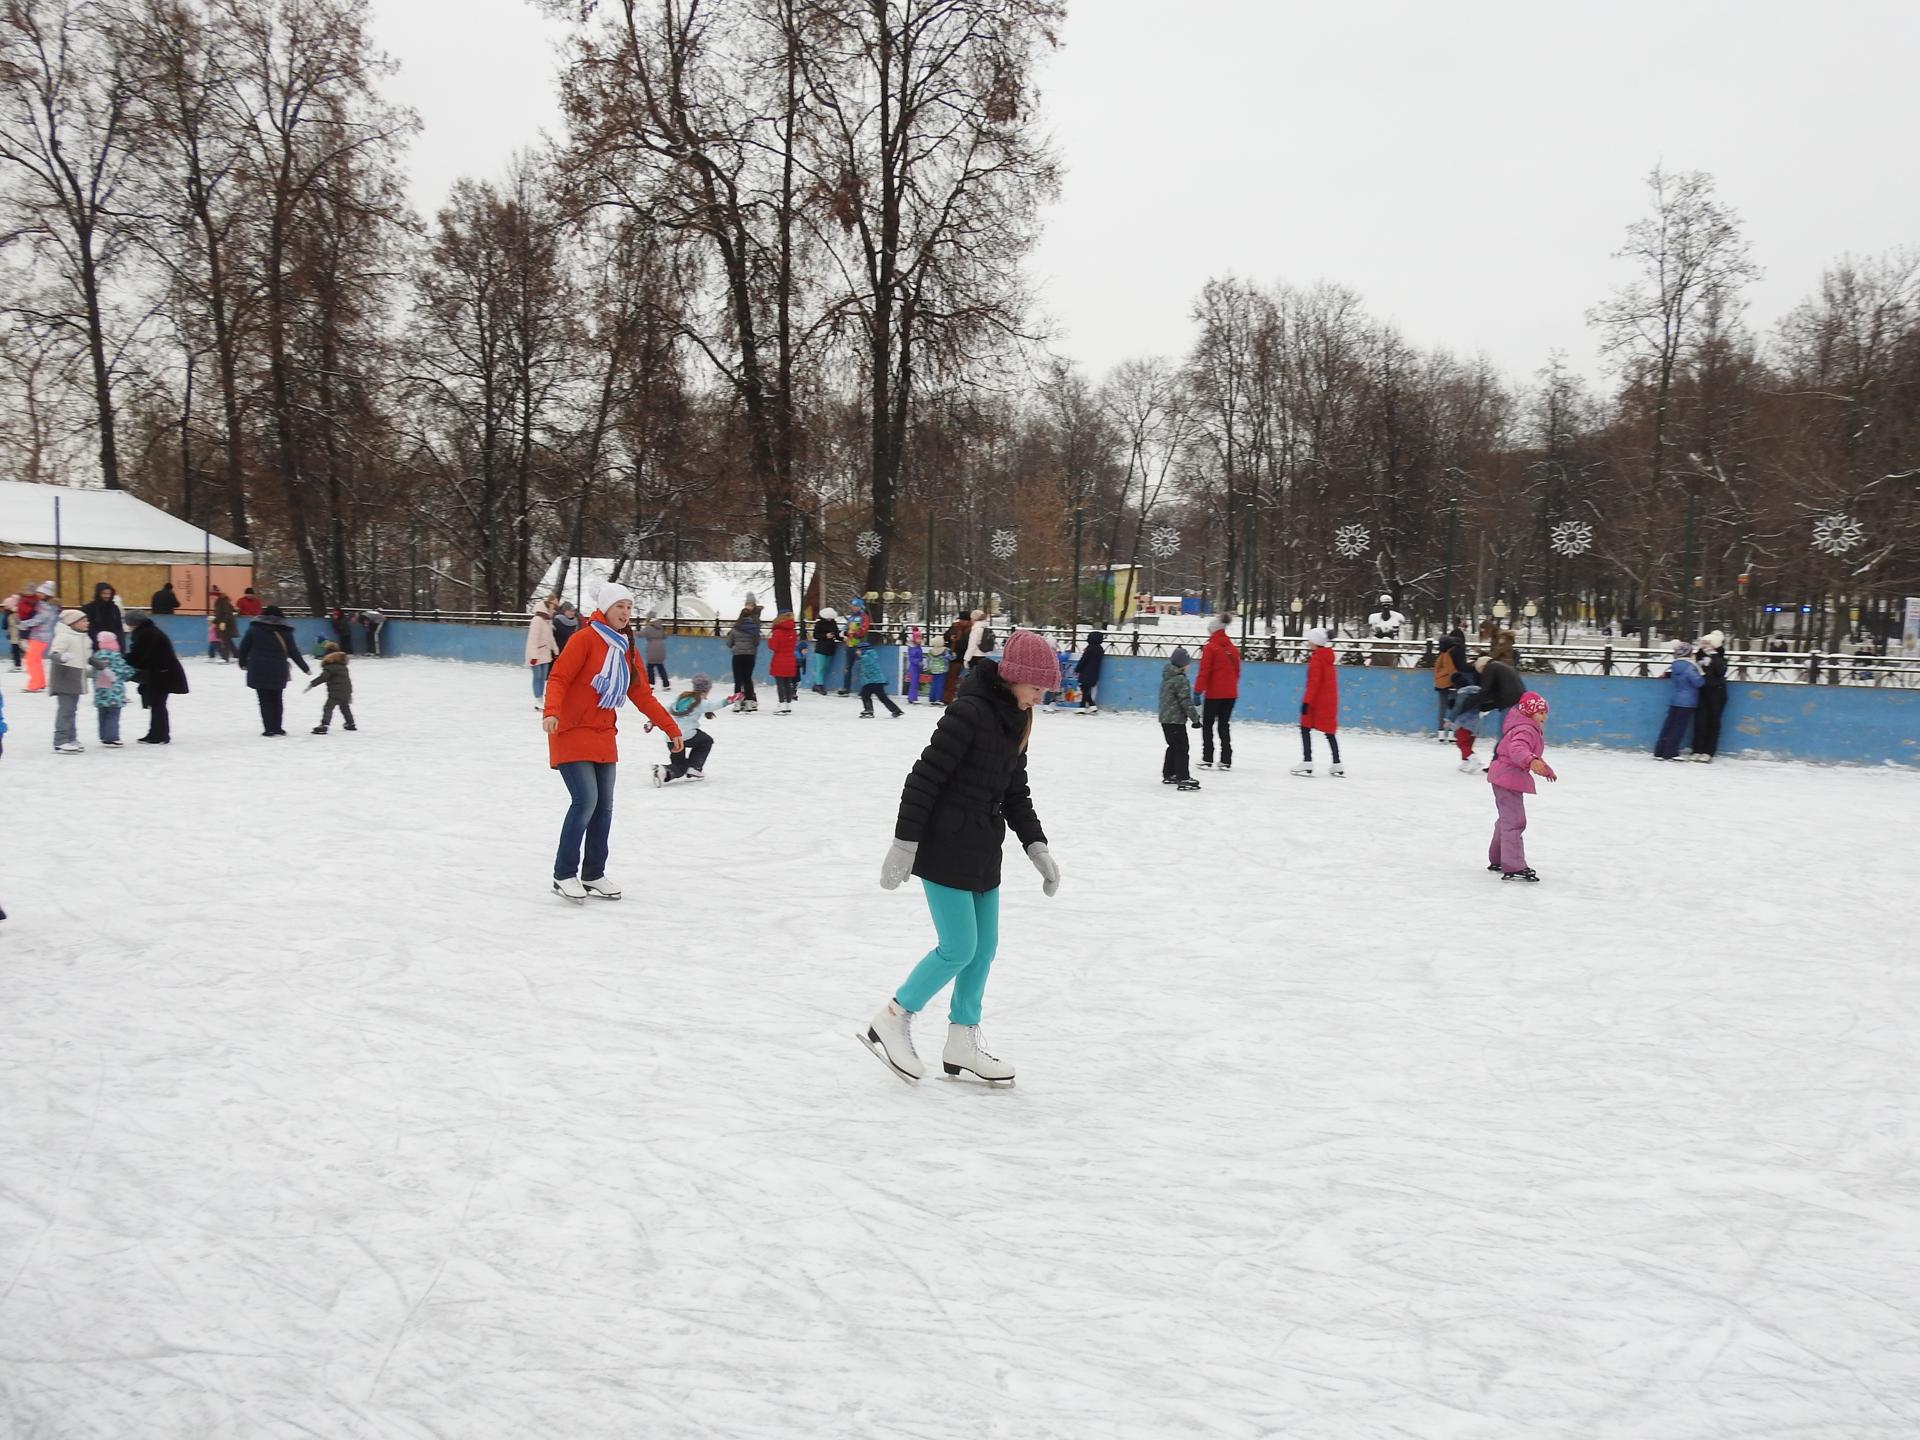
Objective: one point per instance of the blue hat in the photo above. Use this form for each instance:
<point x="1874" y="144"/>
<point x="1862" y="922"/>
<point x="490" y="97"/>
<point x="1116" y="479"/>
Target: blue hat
<point x="1180" y="656"/>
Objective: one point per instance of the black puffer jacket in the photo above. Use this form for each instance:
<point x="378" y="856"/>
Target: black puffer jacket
<point x="1500" y="687"/>
<point x="157" y="669"/>
<point x="268" y="652"/>
<point x="968" y="786"/>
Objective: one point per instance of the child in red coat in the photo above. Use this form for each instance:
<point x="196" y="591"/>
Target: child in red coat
<point x="1320" y="705"/>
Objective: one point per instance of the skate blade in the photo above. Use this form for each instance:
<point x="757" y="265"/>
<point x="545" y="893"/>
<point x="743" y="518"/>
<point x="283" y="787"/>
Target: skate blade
<point x="960" y="1075"/>
<point x="879" y="1052"/>
<point x="568" y="898"/>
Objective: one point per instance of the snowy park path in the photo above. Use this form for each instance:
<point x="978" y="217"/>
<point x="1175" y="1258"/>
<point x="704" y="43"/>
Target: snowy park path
<point x="319" y="1117"/>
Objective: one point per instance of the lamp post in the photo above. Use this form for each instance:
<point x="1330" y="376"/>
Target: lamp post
<point x="1296" y="606"/>
<point x="1500" y="611"/>
<point x="1530" y="611"/>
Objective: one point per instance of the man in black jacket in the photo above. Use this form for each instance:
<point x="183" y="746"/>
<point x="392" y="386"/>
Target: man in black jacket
<point x="165" y="602"/>
<point x="1497" y="690"/>
<point x="158" y="674"/>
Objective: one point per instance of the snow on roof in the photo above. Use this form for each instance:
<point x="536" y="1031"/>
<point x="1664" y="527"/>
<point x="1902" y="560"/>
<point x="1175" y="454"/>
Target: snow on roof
<point x="100" y="520"/>
<point x="709" y="589"/>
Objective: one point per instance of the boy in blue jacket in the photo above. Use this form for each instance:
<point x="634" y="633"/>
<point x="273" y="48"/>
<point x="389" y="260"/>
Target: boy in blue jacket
<point x="873" y="682"/>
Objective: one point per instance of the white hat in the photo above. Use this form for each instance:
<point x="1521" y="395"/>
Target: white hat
<point x="1386" y="599"/>
<point x="829" y="614"/>
<point x="1317" y="636"/>
<point x="1714" y="639"/>
<point x="1680" y="647"/>
<point x="611" y="594"/>
<point x="1218" y="622"/>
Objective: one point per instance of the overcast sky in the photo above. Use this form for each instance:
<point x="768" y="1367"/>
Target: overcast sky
<point x="1468" y="167"/>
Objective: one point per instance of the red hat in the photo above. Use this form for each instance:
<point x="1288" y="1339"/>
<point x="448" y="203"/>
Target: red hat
<point x="1533" y="703"/>
<point x="1029" y="660"/>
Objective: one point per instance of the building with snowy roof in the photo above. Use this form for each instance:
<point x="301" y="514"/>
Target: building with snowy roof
<point x="79" y="538"/>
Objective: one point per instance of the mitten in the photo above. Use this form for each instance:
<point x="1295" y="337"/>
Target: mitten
<point x="898" y="864"/>
<point x="1048" y="867"/>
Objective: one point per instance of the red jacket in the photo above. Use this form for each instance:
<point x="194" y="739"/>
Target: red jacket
<point x="781" y="642"/>
<point x="1219" y="677"/>
<point x="247" y="605"/>
<point x="1320" y="706"/>
<point x="586" y="730"/>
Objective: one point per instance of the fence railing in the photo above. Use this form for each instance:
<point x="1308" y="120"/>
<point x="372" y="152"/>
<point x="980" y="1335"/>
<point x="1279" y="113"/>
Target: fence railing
<point x="1801" y="667"/>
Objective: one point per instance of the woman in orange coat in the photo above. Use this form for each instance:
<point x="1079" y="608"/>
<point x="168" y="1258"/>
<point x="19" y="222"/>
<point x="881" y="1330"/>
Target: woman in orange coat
<point x="1320" y="705"/>
<point x="592" y="678"/>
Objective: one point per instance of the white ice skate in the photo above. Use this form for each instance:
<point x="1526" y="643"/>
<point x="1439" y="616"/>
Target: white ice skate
<point x="1338" y="772"/>
<point x="571" y="889"/>
<point x="602" y="888"/>
<point x="1304" y="768"/>
<point x="964" y="1052"/>
<point x="1469" y="767"/>
<point x="890" y="1036"/>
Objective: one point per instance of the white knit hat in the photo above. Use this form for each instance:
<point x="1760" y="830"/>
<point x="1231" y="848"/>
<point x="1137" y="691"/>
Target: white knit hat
<point x="1317" y="636"/>
<point x="611" y="594"/>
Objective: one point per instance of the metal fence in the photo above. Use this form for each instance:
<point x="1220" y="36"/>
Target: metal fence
<point x="1782" y="667"/>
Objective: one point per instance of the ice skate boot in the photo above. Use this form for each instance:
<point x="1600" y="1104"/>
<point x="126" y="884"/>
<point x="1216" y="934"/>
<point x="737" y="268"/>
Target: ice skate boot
<point x="1528" y="875"/>
<point x="1226" y="764"/>
<point x="601" y="888"/>
<point x="890" y="1036"/>
<point x="1305" y="768"/>
<point x="571" y="889"/>
<point x="1206" y="764"/>
<point x="1338" y="772"/>
<point x="1187" y="784"/>
<point x="1468" y="767"/>
<point x="964" y="1052"/>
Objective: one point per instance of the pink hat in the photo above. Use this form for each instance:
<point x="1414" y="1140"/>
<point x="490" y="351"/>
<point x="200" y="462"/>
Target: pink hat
<point x="107" y="640"/>
<point x="1532" y="703"/>
<point x="1029" y="660"/>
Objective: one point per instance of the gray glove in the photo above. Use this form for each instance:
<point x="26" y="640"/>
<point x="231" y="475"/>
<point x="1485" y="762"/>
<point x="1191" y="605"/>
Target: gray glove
<point x="898" y="864"/>
<point x="1048" y="867"/>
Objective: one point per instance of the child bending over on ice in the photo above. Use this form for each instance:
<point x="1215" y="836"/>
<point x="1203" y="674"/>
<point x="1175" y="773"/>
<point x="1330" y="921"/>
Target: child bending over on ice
<point x="688" y="709"/>
<point x="966" y="789"/>
<point x="1320" y="706"/>
<point x="333" y="674"/>
<point x="1516" y="760"/>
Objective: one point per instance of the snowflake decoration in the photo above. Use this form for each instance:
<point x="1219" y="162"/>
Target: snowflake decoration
<point x="867" y="542"/>
<point x="1836" y="534"/>
<point x="1573" y="537"/>
<point x="1352" y="540"/>
<point x="1003" y="544"/>
<point x="632" y="543"/>
<point x="1165" y="541"/>
<point x="742" y="547"/>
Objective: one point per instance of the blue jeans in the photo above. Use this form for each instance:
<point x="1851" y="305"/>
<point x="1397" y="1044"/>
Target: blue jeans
<point x="109" y="717"/>
<point x="968" y="929"/>
<point x="1673" y="731"/>
<point x="589" y="818"/>
<point x="540" y="679"/>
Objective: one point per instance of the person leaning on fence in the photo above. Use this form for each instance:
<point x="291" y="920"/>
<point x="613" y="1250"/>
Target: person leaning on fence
<point x="1684" y="698"/>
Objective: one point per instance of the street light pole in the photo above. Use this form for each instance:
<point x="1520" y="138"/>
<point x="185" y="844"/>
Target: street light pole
<point x="926" y="602"/>
<point x="1073" y="622"/>
<point x="1453" y="534"/>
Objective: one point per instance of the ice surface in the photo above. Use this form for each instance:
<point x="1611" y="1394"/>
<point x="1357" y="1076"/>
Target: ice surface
<point x="319" y="1117"/>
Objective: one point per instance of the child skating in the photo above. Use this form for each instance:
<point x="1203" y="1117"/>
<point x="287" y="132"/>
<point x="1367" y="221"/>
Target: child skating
<point x="111" y="672"/>
<point x="916" y="665"/>
<point x="873" y="682"/>
<point x="688" y="709"/>
<point x="1320" y="705"/>
<point x="333" y="674"/>
<point x="967" y="789"/>
<point x="1516" y="760"/>
<point x="1177" y="711"/>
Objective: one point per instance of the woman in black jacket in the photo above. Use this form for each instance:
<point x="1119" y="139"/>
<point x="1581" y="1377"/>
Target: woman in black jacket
<point x="967" y="788"/>
<point x="158" y="675"/>
<point x="1712" y="659"/>
<point x="1088" y="669"/>
<point x="268" y="652"/>
<point x="103" y="615"/>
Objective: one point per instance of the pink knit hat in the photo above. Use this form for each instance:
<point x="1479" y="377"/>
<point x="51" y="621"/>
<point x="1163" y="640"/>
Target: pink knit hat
<point x="1532" y="703"/>
<point x="107" y="640"/>
<point x="1029" y="660"/>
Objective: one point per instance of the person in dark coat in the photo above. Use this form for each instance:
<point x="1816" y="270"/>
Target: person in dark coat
<point x="1088" y="669"/>
<point x="158" y="675"/>
<point x="342" y="629"/>
<point x="958" y="634"/>
<point x="165" y="602"/>
<point x="826" y="644"/>
<point x="333" y="674"/>
<point x="966" y="790"/>
<point x="566" y="621"/>
<point x="103" y="615"/>
<point x="268" y="652"/>
<point x="1713" y="696"/>
<point x="226" y="625"/>
<point x="1496" y="687"/>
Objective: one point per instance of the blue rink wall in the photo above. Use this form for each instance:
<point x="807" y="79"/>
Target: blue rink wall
<point x="1834" y="724"/>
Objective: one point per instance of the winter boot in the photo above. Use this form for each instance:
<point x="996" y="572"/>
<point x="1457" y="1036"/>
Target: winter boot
<point x="601" y="887"/>
<point x="964" y="1052"/>
<point x="890" y="1036"/>
<point x="571" y="889"/>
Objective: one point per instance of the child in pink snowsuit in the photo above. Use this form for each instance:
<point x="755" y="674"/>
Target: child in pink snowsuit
<point x="1516" y="760"/>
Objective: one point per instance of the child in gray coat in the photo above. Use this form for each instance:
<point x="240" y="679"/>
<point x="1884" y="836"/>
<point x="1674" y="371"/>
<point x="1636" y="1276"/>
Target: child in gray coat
<point x="333" y="674"/>
<point x="1177" y="711"/>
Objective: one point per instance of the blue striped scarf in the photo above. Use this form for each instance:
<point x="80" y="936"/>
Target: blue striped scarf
<point x="611" y="682"/>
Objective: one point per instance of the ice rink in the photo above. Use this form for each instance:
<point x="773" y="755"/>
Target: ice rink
<point x="320" y="1117"/>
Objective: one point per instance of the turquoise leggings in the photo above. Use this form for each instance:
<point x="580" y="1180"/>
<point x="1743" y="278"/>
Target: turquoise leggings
<point x="968" y="927"/>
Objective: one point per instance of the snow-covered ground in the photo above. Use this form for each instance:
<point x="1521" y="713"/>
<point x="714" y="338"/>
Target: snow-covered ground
<point x="319" y="1117"/>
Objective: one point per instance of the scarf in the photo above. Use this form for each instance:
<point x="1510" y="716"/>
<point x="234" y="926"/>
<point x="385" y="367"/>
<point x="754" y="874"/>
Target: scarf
<point x="610" y="683"/>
